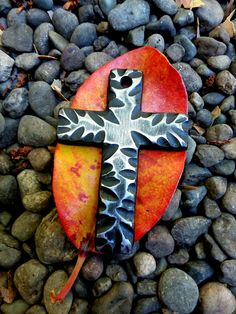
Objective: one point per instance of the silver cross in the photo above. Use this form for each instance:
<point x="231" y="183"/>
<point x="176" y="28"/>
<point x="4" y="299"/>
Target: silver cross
<point x="122" y="130"/>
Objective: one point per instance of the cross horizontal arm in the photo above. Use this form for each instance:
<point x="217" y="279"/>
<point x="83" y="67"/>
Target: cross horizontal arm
<point x="164" y="130"/>
<point x="80" y="125"/>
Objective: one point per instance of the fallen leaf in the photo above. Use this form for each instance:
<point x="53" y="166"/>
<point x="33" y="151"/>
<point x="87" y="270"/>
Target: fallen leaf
<point x="56" y="86"/>
<point x="46" y="57"/>
<point x="188" y="187"/>
<point x="227" y="26"/>
<point x="199" y="129"/>
<point x="190" y="4"/>
<point x="8" y="293"/>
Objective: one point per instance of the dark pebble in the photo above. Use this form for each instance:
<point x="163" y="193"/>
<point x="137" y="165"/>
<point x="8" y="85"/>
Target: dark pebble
<point x="92" y="268"/>
<point x="172" y="207"/>
<point x="175" y="52"/>
<point x="228" y="200"/>
<point x="228" y="269"/>
<point x="70" y="22"/>
<point x="178" y="291"/>
<point x="193" y="174"/>
<point x="116" y="272"/>
<point x="129" y="14"/>
<point x="38" y="92"/>
<point x="204" y="118"/>
<point x="5" y="163"/>
<point x="205" y="71"/>
<point x="9" y="134"/>
<point x="165" y="26"/>
<point x="160" y="242"/>
<point x="213" y="98"/>
<point x="207" y="47"/>
<point x="72" y="58"/>
<point x="190" y="49"/>
<point x="5" y="7"/>
<point x="191" y="79"/>
<point x="183" y="17"/>
<point x="210" y="14"/>
<point x="216" y="187"/>
<point x="2" y="124"/>
<point x="101" y="42"/>
<point x="14" y="17"/>
<point x="35" y="17"/>
<point x="219" y="62"/>
<point x="101" y="286"/>
<point x="84" y="35"/>
<point x="6" y="64"/>
<point x="147" y="287"/>
<point x="219" y="133"/>
<point x="188" y="31"/>
<point x="226" y="82"/>
<point x="48" y="71"/>
<point x="15" y="104"/>
<point x="18" y="37"/>
<point x="136" y="36"/>
<point x="167" y="6"/>
<point x="179" y="257"/>
<point x="187" y="230"/>
<point x="200" y="271"/>
<point x="36" y="132"/>
<point x="10" y="253"/>
<point x="8" y="190"/>
<point x="41" y="39"/>
<point x="225" y="167"/>
<point x="27" y="61"/>
<point x="86" y="13"/>
<point x="58" y="41"/>
<point x="192" y="198"/>
<point x="95" y="60"/>
<point x="44" y="4"/>
<point x="211" y="208"/>
<point x="197" y="101"/>
<point x="112" y="49"/>
<point x="147" y="305"/>
<point x="190" y="150"/>
<point x="224" y="231"/>
<point x="209" y="155"/>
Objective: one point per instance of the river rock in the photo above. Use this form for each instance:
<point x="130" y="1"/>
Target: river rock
<point x="207" y="47"/>
<point x="210" y="14"/>
<point x="15" y="104"/>
<point x="192" y="80"/>
<point x="10" y="253"/>
<point x="29" y="280"/>
<point x="228" y="200"/>
<point x="70" y="21"/>
<point x="6" y="64"/>
<point x="8" y="190"/>
<point x="18" y="37"/>
<point x="209" y="155"/>
<point x="226" y="82"/>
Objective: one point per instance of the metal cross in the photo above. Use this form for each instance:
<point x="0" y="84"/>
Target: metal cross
<point x="122" y="130"/>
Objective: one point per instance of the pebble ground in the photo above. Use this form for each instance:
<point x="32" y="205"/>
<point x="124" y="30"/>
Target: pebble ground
<point x="187" y="262"/>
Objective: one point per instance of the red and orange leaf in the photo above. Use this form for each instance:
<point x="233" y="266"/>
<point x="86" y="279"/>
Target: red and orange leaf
<point x="77" y="169"/>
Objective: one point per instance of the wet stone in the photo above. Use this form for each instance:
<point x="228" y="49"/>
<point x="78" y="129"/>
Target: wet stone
<point x="166" y="6"/>
<point x="186" y="231"/>
<point x="10" y="253"/>
<point x="193" y="174"/>
<point x="8" y="190"/>
<point x="214" y="249"/>
<point x="79" y="306"/>
<point x="129" y="14"/>
<point x="38" y="92"/>
<point x="25" y="225"/>
<point x="28" y="182"/>
<point x="197" y="101"/>
<point x="18" y="37"/>
<point x="41" y="39"/>
<point x="112" y="49"/>
<point x="216" y="298"/>
<point x="159" y="242"/>
<point x="175" y="52"/>
<point x="228" y="269"/>
<point x="72" y="58"/>
<point x="9" y="133"/>
<point x="6" y="64"/>
<point x="224" y="231"/>
<point x="178" y="291"/>
<point x="56" y="282"/>
<point x="216" y="187"/>
<point x="101" y="42"/>
<point x="147" y="287"/>
<point x="92" y="268"/>
<point x="191" y="79"/>
<point x="84" y="35"/>
<point x="14" y="17"/>
<point x="29" y="280"/>
<point x="179" y="257"/>
<point x="147" y="305"/>
<point x="228" y="200"/>
<point x="70" y="22"/>
<point x="39" y="309"/>
<point x="116" y="272"/>
<point x="225" y="167"/>
<point x="136" y="36"/>
<point x="58" y="41"/>
<point x="192" y="198"/>
<point x="51" y="243"/>
<point x="204" y="118"/>
<point x="188" y="31"/>
<point x="144" y="264"/>
<point x="211" y="208"/>
<point x="101" y="286"/>
<point x="5" y="7"/>
<point x="200" y="271"/>
<point x="117" y="300"/>
<point x="230" y="149"/>
<point x="37" y="202"/>
<point x="39" y="158"/>
<point x="27" y="61"/>
<point x="16" y="307"/>
<point x="2" y="125"/>
<point x="190" y="150"/>
<point x="226" y="82"/>
<point x="189" y="47"/>
<point x="36" y="16"/>
<point x="183" y="17"/>
<point x="62" y="104"/>
<point x="219" y="62"/>
<point x="220" y="132"/>
<point x="209" y="155"/>
<point x="95" y="60"/>
<point x="5" y="163"/>
<point x="205" y="71"/>
<point x="210" y="15"/>
<point x="15" y="104"/>
<point x="86" y="12"/>
<point x="48" y="71"/>
<point x="44" y="4"/>
<point x="207" y="47"/>
<point x="165" y="26"/>
<point x="213" y="98"/>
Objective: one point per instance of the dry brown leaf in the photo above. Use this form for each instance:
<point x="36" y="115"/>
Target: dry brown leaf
<point x="46" y="57"/>
<point x="216" y="112"/>
<point x="188" y="187"/>
<point x="199" y="129"/>
<point x="8" y="293"/>
<point x="56" y="86"/>
<point x="190" y="4"/>
<point x="227" y="26"/>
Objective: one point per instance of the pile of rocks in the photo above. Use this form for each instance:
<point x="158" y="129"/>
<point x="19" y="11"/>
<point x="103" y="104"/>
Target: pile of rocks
<point x="187" y="262"/>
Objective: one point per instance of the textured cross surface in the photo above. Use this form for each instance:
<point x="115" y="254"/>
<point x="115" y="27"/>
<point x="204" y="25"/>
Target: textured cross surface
<point x="122" y="129"/>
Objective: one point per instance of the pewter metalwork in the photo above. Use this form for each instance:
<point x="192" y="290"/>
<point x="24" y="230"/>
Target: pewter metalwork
<point x="122" y="130"/>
